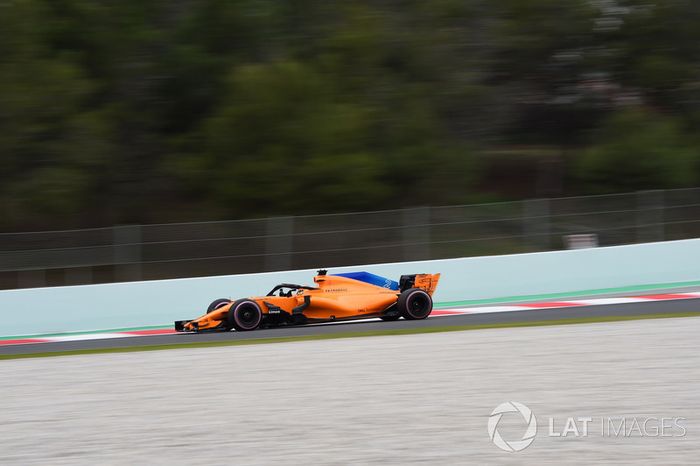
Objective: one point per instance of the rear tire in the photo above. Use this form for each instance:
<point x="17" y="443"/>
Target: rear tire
<point x="244" y="315"/>
<point x="415" y="304"/>
<point x="217" y="303"/>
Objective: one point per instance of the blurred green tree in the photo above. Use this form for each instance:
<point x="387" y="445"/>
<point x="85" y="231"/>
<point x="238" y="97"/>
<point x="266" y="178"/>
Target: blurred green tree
<point x="143" y="111"/>
<point x="636" y="150"/>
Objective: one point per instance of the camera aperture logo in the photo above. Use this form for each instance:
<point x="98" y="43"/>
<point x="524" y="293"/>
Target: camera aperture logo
<point x="528" y="418"/>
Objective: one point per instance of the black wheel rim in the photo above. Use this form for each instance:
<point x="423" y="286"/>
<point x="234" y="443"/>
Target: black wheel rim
<point x="247" y="315"/>
<point x="419" y="305"/>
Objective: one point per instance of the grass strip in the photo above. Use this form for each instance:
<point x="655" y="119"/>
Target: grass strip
<point x="331" y="336"/>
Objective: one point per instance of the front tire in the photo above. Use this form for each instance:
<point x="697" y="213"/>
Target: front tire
<point x="244" y="315"/>
<point x="415" y="304"/>
<point x="218" y="303"/>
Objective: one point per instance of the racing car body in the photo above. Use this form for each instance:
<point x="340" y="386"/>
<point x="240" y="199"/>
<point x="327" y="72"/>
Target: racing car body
<point x="347" y="296"/>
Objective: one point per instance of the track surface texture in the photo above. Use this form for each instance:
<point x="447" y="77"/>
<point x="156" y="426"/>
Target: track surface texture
<point x="631" y="309"/>
<point x="406" y="399"/>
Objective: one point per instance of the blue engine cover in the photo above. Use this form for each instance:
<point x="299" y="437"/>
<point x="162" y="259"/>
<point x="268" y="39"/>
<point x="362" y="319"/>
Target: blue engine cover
<point x="370" y="278"/>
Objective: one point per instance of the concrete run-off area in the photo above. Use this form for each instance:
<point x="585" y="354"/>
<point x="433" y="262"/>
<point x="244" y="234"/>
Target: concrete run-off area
<point x="392" y="399"/>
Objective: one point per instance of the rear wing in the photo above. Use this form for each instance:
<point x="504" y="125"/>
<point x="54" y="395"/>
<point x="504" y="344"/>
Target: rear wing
<point x="424" y="281"/>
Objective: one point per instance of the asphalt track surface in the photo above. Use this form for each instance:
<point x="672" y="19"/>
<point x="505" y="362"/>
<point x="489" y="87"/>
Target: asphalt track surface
<point x="535" y="315"/>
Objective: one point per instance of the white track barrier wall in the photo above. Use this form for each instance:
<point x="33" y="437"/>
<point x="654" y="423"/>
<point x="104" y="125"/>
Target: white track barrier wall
<point x="119" y="305"/>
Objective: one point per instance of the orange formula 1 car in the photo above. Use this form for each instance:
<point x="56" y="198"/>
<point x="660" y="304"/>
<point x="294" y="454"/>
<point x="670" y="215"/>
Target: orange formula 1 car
<point x="344" y="296"/>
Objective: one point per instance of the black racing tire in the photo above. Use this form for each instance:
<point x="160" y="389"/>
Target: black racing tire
<point x="217" y="303"/>
<point x="415" y="304"/>
<point x="244" y="315"/>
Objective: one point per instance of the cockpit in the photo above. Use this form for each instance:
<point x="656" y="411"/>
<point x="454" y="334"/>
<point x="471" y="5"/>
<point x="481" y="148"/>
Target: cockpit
<point x="287" y="290"/>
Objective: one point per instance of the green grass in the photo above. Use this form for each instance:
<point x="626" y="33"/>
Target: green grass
<point x="370" y="333"/>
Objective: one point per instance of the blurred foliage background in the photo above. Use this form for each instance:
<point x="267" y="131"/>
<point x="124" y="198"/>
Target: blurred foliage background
<point x="157" y="111"/>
